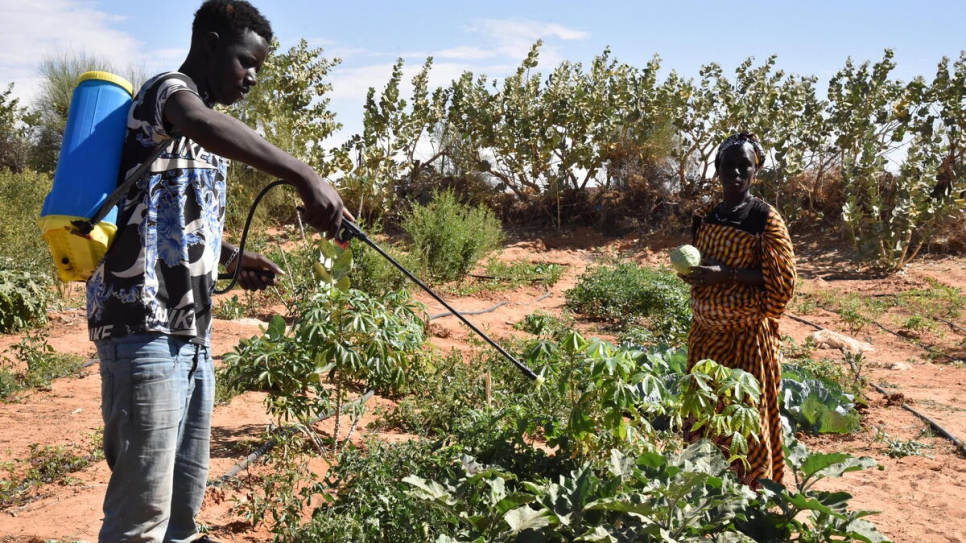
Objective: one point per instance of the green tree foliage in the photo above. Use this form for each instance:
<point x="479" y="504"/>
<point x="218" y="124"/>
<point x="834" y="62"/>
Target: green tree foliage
<point x="21" y="198"/>
<point x="890" y="215"/>
<point x="14" y="147"/>
<point x="59" y="74"/>
<point x="384" y="157"/>
<point x="289" y="107"/>
<point x="878" y="159"/>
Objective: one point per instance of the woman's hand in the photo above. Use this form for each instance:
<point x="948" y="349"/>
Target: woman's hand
<point x="709" y="272"/>
<point x="257" y="271"/>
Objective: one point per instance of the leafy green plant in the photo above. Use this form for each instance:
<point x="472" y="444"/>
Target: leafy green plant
<point x="851" y="312"/>
<point x="632" y="499"/>
<point x="46" y="464"/>
<point x="541" y="323"/>
<point x="43" y="364"/>
<point x="801" y="513"/>
<point x="501" y="275"/>
<point x="449" y="238"/>
<point x="230" y="309"/>
<point x="373" y="273"/>
<point x="723" y="403"/>
<point x="21" y="247"/>
<point x="278" y="496"/>
<point x="793" y="351"/>
<point x="339" y="335"/>
<point x="451" y="387"/>
<point x="816" y="405"/>
<point x="935" y="300"/>
<point x="900" y="448"/>
<point x="569" y="459"/>
<point x="366" y="498"/>
<point x="625" y="293"/>
<point x="23" y="299"/>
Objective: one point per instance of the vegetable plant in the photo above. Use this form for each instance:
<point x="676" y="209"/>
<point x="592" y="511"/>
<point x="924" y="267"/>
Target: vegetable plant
<point x="339" y="337"/>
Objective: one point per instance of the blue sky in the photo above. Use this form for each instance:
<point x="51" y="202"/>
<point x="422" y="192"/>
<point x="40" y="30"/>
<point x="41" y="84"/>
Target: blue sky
<point x="809" y="37"/>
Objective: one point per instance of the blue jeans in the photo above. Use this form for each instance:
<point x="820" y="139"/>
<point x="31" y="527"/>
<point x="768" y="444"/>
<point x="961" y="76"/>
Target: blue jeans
<point x="157" y="394"/>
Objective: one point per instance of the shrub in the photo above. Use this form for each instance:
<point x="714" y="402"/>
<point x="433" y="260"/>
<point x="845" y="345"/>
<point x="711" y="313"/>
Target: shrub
<point x="368" y="500"/>
<point x="624" y="293"/>
<point x="449" y="238"/>
<point x="373" y="274"/>
<point x="339" y="334"/>
<point x="23" y="300"/>
<point x="21" y="247"/>
<point x="43" y="365"/>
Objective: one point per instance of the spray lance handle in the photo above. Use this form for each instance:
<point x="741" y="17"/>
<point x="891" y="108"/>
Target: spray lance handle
<point x="346" y="232"/>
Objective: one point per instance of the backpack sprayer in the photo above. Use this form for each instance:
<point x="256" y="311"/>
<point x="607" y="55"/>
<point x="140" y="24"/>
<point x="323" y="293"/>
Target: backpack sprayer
<point x="78" y="216"/>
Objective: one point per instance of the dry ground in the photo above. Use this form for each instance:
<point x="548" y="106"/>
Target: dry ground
<point x="922" y="499"/>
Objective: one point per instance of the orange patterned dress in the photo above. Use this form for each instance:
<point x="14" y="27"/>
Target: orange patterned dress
<point x="736" y="325"/>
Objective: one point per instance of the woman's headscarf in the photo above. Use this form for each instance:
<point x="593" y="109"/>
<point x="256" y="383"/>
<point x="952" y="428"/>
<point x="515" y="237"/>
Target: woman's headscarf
<point x="741" y="138"/>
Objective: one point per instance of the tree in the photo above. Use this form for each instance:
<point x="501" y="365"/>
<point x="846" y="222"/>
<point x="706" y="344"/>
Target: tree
<point x="289" y="107"/>
<point x="890" y="214"/>
<point x="389" y="154"/>
<point x="13" y="132"/>
<point x="59" y="75"/>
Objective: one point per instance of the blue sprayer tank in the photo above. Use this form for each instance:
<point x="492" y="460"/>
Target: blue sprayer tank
<point x="87" y="173"/>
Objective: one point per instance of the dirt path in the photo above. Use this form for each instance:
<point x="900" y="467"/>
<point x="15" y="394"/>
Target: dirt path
<point x="922" y="499"/>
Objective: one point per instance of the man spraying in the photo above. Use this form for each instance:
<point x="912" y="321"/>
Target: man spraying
<point x="149" y="302"/>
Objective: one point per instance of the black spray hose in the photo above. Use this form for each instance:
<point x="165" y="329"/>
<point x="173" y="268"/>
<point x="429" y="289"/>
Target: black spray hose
<point x="266" y="274"/>
<point x="350" y="230"/>
<point x="346" y="232"/>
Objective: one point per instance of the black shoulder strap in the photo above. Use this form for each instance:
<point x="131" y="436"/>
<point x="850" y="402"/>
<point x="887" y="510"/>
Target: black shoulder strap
<point x="85" y="227"/>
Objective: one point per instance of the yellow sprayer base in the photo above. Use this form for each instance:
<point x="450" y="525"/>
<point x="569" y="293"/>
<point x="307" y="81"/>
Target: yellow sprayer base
<point x="75" y="256"/>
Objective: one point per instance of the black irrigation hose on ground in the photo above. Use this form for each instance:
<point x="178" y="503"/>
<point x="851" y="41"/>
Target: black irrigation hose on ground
<point x="480" y="312"/>
<point x="910" y="340"/>
<point x="935" y="425"/>
<point x="266" y="447"/>
<point x="803" y="321"/>
<point x="951" y="324"/>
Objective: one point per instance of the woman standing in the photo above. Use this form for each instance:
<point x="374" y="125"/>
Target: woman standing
<point x="739" y="291"/>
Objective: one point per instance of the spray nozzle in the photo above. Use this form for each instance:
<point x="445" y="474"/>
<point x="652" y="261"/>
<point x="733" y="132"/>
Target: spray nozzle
<point x="347" y="231"/>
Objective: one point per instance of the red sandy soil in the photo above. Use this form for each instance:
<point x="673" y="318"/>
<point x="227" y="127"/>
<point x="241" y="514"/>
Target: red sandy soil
<point x="921" y="499"/>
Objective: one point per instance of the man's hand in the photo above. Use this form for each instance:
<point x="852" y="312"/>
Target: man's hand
<point x="257" y="272"/>
<point x="324" y="209"/>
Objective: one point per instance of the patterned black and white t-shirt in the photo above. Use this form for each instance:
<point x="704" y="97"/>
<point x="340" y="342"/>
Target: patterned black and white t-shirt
<point x="159" y="274"/>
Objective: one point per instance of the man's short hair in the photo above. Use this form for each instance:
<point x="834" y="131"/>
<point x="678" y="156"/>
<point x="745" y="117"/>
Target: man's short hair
<point x="229" y="18"/>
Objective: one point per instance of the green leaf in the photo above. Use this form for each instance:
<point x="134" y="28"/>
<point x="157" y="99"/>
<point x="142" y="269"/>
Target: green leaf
<point x="342" y="265"/>
<point x="429" y="490"/>
<point x="276" y="328"/>
<point x="834" y="464"/>
<point x="526" y="518"/>
<point x="806" y="503"/>
<point x="864" y="530"/>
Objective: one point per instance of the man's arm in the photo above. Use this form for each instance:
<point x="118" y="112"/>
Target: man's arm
<point x="233" y="139"/>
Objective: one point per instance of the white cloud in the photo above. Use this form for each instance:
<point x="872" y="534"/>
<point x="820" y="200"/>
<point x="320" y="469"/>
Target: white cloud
<point x="465" y="53"/>
<point x="505" y="43"/>
<point x="33" y="30"/>
<point x="514" y="37"/>
<point x="354" y="83"/>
